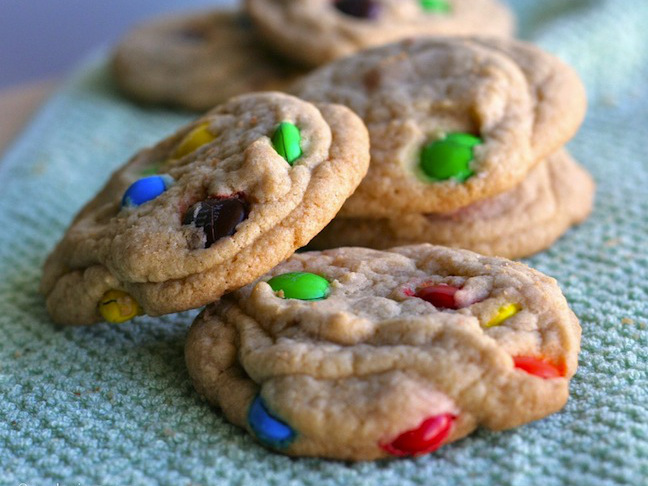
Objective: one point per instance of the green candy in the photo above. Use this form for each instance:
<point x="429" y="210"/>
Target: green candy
<point x="436" y="5"/>
<point x="300" y="285"/>
<point x="450" y="157"/>
<point x="286" y="141"/>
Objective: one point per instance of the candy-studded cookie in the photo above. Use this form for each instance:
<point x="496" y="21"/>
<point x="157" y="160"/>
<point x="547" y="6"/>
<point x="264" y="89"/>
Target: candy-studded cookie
<point x="451" y="121"/>
<point x="197" y="61"/>
<point x="361" y="354"/>
<point x="315" y="32"/>
<point x="529" y="218"/>
<point x="207" y="210"/>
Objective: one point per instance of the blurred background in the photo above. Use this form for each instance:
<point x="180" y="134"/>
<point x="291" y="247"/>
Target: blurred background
<point x="44" y="39"/>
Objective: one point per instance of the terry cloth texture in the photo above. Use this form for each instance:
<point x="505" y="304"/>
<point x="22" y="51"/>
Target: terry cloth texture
<point x="113" y="404"/>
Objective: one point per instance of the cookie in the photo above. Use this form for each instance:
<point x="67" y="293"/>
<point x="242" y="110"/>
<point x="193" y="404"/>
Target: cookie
<point x="207" y="210"/>
<point x="451" y="121"/>
<point x="197" y="61"/>
<point x="527" y="219"/>
<point x="360" y="354"/>
<point x="315" y="32"/>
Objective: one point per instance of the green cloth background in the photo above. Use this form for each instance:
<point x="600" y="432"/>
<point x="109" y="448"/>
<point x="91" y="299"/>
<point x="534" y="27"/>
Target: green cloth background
<point x="113" y="404"/>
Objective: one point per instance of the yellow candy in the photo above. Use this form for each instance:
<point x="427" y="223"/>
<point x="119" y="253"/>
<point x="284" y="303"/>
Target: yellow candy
<point x="503" y="313"/>
<point x="117" y="307"/>
<point x="195" y="139"/>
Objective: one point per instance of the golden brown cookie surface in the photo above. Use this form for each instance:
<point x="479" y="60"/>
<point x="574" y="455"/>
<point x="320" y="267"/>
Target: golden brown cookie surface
<point x="315" y="32"/>
<point x="197" y="61"/>
<point x="451" y="120"/>
<point x="529" y="218"/>
<point x="207" y="210"/>
<point x="360" y="354"/>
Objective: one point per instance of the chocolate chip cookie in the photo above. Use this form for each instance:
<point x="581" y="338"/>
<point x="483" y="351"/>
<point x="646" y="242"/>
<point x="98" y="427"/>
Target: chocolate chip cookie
<point x="207" y="210"/>
<point x="315" y="32"/>
<point x="360" y="354"/>
<point x="557" y="194"/>
<point x="451" y="120"/>
<point x="196" y="61"/>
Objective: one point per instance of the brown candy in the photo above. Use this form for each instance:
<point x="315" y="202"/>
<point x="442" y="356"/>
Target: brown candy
<point x="217" y="217"/>
<point x="365" y="9"/>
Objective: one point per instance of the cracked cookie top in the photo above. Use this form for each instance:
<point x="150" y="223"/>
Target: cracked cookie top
<point x="451" y="120"/>
<point x="207" y="210"/>
<point x="315" y="32"/>
<point x="355" y="353"/>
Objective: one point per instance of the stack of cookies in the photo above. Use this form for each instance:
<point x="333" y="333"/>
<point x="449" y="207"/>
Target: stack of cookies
<point x="350" y="353"/>
<point x="198" y="60"/>
<point x="467" y="140"/>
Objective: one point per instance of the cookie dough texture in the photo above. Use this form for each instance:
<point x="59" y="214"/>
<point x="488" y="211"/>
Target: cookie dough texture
<point x="557" y="194"/>
<point x="315" y="32"/>
<point x="522" y="102"/>
<point x="149" y="253"/>
<point x="197" y="61"/>
<point x="353" y="371"/>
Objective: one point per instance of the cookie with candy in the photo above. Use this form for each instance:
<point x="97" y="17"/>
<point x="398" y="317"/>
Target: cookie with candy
<point x="314" y="32"/>
<point x="524" y="220"/>
<point x="457" y="127"/>
<point x="207" y="210"/>
<point x="361" y="354"/>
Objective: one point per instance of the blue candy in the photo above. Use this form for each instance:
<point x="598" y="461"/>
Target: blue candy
<point x="146" y="189"/>
<point x="267" y="428"/>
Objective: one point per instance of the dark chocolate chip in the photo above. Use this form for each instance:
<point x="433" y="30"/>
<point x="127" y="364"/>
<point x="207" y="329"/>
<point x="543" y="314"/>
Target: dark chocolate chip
<point x="365" y="9"/>
<point x="217" y="217"/>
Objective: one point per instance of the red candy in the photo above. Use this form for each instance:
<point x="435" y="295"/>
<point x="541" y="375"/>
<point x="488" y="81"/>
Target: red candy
<point x="441" y="296"/>
<point x="428" y="437"/>
<point x="538" y="367"/>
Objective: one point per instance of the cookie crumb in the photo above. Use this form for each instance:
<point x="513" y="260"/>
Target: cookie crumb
<point x="627" y="320"/>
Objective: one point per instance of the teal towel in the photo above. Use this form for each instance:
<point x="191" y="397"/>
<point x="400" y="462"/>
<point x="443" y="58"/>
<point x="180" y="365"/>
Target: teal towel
<point x="113" y="404"/>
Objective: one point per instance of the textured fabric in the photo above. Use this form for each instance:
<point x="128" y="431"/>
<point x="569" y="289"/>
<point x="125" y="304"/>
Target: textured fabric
<point x="113" y="404"/>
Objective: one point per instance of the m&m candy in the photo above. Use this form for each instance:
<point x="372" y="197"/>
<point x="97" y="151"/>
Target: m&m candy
<point x="117" y="306"/>
<point x="538" y="367"/>
<point x="286" y="140"/>
<point x="427" y="437"/>
<point x="441" y="296"/>
<point x="195" y="139"/>
<point x="146" y="189"/>
<point x="364" y="9"/>
<point x="268" y="428"/>
<point x="440" y="6"/>
<point x="450" y="157"/>
<point x="505" y="312"/>
<point x="300" y="285"/>
<point x="218" y="218"/>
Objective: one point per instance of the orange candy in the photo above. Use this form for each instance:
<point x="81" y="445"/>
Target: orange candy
<point x="538" y="367"/>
